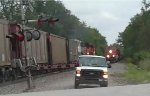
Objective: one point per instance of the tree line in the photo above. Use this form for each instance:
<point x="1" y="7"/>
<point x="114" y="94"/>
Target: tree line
<point x="69" y="25"/>
<point x="136" y="36"/>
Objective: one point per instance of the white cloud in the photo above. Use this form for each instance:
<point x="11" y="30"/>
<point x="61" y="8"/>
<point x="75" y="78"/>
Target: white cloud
<point x="108" y="16"/>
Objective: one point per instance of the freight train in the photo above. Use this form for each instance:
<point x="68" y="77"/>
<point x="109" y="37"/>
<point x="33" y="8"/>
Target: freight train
<point x="47" y="52"/>
<point x="113" y="54"/>
<point x="87" y="49"/>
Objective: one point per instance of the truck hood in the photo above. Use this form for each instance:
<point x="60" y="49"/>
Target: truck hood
<point x="94" y="68"/>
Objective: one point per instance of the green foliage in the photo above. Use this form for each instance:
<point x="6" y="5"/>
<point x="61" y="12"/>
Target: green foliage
<point x="135" y="38"/>
<point x="69" y="25"/>
<point x="129" y="60"/>
<point x="145" y="64"/>
<point x="139" y="56"/>
<point x="135" y="75"/>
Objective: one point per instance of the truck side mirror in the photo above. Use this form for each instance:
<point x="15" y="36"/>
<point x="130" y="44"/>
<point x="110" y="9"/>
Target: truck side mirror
<point x="77" y="64"/>
<point x="108" y="64"/>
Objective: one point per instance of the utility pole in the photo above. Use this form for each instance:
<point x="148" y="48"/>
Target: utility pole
<point x="29" y="79"/>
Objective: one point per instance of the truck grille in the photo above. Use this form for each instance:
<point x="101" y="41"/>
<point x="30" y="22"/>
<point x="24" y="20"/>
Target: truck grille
<point x="91" y="74"/>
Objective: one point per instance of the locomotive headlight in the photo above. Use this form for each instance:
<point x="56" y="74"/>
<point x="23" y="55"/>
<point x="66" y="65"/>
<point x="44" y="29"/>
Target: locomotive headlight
<point x="78" y="73"/>
<point x="113" y="55"/>
<point x="108" y="56"/>
<point x="110" y="51"/>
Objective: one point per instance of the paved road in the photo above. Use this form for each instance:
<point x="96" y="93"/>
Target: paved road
<point x="64" y="80"/>
<point x="129" y="90"/>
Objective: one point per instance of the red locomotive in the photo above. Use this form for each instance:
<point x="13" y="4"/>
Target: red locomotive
<point x="88" y="49"/>
<point x="112" y="54"/>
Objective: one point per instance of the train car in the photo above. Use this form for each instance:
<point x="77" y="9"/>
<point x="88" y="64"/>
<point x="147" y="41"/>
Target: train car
<point x="74" y="49"/>
<point x="112" y="54"/>
<point x="88" y="49"/>
<point x="57" y="50"/>
<point x="49" y="52"/>
<point x="37" y="49"/>
<point x="5" y="60"/>
<point x="4" y="44"/>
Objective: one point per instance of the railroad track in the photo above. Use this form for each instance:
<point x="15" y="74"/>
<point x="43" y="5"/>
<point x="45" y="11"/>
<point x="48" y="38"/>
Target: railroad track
<point x="21" y="79"/>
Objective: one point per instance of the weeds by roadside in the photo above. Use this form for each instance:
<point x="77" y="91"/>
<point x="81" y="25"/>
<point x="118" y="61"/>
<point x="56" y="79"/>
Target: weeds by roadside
<point x="138" y="74"/>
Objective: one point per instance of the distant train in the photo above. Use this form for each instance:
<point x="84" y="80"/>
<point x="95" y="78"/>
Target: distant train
<point x="44" y="50"/>
<point x="87" y="49"/>
<point x="113" y="54"/>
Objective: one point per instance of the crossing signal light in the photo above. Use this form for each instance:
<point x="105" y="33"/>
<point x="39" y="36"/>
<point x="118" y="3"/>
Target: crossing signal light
<point x="42" y="19"/>
<point x="16" y="33"/>
<point x="20" y="36"/>
<point x="14" y="28"/>
<point x="40" y="22"/>
<point x="35" y="34"/>
<point x="17" y="36"/>
<point x="29" y="36"/>
<point x="52" y="20"/>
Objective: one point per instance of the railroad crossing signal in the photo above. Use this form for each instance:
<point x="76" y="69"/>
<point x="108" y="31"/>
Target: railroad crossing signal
<point x="42" y="20"/>
<point x="17" y="33"/>
<point x="35" y="33"/>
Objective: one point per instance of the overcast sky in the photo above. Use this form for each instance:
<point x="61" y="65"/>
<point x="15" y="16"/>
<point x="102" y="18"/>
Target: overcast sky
<point x="108" y="16"/>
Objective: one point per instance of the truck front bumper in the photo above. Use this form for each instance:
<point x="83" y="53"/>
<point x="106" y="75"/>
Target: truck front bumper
<point x="82" y="80"/>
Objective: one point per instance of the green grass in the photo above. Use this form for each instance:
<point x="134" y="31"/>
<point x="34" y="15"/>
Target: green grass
<point x="136" y="75"/>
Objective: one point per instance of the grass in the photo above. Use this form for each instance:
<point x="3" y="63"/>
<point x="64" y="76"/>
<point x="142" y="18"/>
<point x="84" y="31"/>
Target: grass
<point x="135" y="75"/>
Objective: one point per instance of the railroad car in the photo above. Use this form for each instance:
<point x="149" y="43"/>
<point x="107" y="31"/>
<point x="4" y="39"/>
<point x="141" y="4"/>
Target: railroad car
<point x="48" y="53"/>
<point x="87" y="49"/>
<point x="113" y="54"/>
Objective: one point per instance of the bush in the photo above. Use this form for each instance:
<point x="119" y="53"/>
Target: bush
<point x="135" y="75"/>
<point x="138" y="69"/>
<point x="141" y="55"/>
<point x="145" y="64"/>
<point x="129" y="60"/>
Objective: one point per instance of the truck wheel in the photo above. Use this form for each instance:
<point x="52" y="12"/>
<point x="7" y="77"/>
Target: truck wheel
<point x="104" y="84"/>
<point x="76" y="85"/>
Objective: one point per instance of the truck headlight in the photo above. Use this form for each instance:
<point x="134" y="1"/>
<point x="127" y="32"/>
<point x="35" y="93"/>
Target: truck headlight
<point x="105" y="75"/>
<point x="78" y="73"/>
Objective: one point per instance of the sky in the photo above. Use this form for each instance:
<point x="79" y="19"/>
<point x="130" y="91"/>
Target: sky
<point x="108" y="16"/>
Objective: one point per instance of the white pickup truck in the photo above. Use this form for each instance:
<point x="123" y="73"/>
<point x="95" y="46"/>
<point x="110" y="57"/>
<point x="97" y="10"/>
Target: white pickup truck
<point x="92" y="69"/>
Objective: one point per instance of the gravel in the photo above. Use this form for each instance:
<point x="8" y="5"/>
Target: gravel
<point x="63" y="81"/>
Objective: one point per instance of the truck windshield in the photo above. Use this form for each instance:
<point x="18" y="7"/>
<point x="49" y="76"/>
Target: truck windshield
<point x="92" y="61"/>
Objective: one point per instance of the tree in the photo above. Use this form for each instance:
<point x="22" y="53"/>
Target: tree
<point x="69" y="25"/>
<point x="135" y="37"/>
